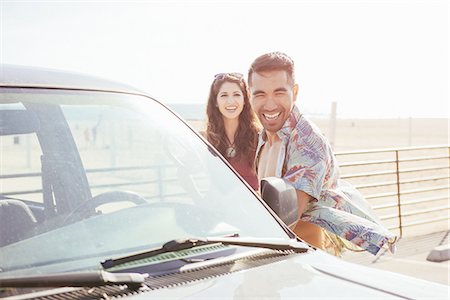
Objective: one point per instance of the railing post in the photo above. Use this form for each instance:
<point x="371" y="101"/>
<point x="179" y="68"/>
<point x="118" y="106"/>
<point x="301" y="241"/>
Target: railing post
<point x="399" y="204"/>
<point x="28" y="146"/>
<point x="332" y="125"/>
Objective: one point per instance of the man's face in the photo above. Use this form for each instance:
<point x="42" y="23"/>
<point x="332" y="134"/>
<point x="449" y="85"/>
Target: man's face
<point x="272" y="97"/>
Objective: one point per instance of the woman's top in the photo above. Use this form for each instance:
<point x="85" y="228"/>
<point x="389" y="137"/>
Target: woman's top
<point x="245" y="169"/>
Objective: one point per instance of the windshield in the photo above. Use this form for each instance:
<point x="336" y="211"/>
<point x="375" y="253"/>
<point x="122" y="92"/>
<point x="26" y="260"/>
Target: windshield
<point x="87" y="176"/>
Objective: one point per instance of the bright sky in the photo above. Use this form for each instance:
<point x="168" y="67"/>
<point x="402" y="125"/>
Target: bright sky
<point x="384" y="58"/>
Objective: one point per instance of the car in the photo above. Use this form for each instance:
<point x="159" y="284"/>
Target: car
<point x="106" y="192"/>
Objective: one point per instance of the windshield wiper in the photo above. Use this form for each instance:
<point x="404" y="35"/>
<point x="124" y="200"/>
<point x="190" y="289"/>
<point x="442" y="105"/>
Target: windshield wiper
<point x="182" y="244"/>
<point x="75" y="279"/>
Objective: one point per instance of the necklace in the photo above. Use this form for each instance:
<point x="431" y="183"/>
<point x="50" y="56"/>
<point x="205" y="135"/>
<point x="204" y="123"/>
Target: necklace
<point x="230" y="152"/>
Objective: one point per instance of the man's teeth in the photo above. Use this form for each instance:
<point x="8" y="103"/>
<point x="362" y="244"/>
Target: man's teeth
<point x="272" y="116"/>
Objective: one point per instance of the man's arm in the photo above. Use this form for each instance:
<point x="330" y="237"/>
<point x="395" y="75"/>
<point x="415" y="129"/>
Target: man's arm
<point x="308" y="232"/>
<point x="302" y="201"/>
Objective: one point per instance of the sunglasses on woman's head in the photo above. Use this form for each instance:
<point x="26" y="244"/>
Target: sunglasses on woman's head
<point x="223" y="75"/>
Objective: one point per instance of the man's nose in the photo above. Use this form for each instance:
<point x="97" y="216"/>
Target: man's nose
<point x="270" y="104"/>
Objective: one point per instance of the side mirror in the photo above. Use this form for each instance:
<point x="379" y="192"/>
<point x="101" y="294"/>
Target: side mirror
<point x="281" y="198"/>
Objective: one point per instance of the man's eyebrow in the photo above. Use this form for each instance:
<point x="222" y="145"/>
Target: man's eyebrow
<point x="281" y="89"/>
<point x="257" y="92"/>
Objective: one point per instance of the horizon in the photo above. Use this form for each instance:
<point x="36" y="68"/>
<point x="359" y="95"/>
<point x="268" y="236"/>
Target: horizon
<point x="185" y="110"/>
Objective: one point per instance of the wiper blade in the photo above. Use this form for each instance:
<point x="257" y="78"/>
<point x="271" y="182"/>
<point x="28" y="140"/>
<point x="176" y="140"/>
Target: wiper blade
<point x="182" y="244"/>
<point x="75" y="279"/>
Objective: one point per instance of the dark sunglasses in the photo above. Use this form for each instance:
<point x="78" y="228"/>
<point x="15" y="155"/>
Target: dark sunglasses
<point x="224" y="75"/>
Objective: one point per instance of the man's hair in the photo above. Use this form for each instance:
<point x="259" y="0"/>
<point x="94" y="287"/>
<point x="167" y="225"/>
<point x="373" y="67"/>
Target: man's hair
<point x="273" y="61"/>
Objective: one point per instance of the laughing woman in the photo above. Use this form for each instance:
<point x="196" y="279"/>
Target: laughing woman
<point x="232" y="127"/>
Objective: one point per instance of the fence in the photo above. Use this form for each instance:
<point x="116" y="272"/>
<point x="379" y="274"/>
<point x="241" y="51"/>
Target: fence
<point x="406" y="186"/>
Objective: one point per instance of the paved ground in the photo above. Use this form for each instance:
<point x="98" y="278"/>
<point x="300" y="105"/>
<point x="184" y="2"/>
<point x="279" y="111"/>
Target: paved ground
<point x="410" y="258"/>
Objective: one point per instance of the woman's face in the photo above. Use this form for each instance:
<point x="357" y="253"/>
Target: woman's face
<point x="230" y="100"/>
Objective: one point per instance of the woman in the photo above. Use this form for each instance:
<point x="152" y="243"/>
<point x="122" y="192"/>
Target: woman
<point x="232" y="126"/>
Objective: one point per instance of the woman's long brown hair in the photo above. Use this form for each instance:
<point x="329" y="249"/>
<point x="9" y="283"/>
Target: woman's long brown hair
<point x="246" y="137"/>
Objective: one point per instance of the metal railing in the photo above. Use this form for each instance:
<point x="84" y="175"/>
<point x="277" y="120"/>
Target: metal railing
<point x="383" y="176"/>
<point x="158" y="180"/>
<point x="407" y="186"/>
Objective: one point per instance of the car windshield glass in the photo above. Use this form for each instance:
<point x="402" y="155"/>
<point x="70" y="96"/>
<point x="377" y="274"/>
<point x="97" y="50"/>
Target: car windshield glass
<point x="87" y="176"/>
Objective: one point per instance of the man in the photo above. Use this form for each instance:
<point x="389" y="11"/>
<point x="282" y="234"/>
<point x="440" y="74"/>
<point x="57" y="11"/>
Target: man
<point x="291" y="147"/>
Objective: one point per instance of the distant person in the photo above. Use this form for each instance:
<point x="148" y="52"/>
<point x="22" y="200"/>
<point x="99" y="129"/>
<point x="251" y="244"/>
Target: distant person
<point x="330" y="210"/>
<point x="87" y="136"/>
<point x="95" y="128"/>
<point x="232" y="127"/>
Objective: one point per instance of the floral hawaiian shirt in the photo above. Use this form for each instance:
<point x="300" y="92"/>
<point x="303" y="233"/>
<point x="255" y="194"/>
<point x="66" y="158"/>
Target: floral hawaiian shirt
<point x="307" y="162"/>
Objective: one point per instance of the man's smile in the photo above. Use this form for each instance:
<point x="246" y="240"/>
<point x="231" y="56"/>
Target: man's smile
<point x="271" y="117"/>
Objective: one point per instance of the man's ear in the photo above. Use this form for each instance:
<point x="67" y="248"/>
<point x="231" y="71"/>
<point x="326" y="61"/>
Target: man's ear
<point x="295" y="91"/>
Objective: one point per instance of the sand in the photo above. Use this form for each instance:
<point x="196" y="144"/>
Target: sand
<point x="358" y="134"/>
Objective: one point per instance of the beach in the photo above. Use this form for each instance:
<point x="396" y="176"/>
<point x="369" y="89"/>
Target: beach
<point x="357" y="134"/>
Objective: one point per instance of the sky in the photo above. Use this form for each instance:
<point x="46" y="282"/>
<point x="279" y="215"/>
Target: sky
<point x="375" y="59"/>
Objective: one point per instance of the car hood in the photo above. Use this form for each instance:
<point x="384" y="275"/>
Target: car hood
<point x="290" y="276"/>
<point x="316" y="275"/>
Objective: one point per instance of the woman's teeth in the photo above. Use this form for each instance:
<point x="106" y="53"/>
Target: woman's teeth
<point x="272" y="116"/>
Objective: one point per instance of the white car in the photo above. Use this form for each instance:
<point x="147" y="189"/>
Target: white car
<point x="107" y="193"/>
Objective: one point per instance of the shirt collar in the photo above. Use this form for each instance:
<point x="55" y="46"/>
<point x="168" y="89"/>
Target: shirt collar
<point x="290" y="124"/>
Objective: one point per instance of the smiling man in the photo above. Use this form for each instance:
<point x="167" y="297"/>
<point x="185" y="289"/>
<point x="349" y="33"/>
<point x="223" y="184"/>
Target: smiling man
<point x="330" y="210"/>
